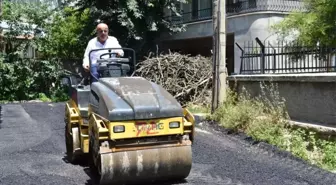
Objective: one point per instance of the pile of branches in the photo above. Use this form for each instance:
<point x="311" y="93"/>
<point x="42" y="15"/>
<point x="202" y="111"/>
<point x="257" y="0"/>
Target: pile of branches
<point x="187" y="78"/>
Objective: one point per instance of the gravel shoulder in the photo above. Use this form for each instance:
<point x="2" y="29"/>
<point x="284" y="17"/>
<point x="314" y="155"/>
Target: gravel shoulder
<point x="32" y="152"/>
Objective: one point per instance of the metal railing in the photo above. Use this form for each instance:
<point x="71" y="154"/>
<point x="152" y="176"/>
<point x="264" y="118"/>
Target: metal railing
<point x="240" y="7"/>
<point x="286" y="58"/>
<point x="248" y="6"/>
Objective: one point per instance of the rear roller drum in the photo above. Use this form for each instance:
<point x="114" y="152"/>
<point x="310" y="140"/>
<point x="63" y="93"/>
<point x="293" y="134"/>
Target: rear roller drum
<point x="148" y="165"/>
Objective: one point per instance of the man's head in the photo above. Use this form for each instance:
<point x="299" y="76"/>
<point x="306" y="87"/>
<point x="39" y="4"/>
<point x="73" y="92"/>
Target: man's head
<point x="102" y="32"/>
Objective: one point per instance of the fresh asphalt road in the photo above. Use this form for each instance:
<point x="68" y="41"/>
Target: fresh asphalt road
<point x="32" y="152"/>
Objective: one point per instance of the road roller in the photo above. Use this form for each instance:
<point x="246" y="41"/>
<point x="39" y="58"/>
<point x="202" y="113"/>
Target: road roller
<point x="128" y="129"/>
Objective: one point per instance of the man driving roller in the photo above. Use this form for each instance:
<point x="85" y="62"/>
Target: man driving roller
<point x="103" y="40"/>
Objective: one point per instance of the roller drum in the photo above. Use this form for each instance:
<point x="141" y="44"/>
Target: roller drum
<point x="171" y="163"/>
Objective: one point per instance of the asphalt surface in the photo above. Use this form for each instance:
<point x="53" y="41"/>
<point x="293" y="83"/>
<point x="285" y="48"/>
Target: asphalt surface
<point x="32" y="152"/>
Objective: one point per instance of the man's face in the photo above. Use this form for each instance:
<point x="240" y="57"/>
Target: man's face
<point x="102" y="33"/>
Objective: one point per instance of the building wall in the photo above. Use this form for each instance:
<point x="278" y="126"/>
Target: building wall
<point x="249" y="26"/>
<point x="244" y="27"/>
<point x="246" y="20"/>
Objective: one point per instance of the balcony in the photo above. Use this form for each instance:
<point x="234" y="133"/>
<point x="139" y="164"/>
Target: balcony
<point x="189" y="17"/>
<point x="241" y="7"/>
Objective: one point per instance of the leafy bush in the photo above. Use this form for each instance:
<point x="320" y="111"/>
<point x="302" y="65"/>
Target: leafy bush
<point x="67" y="35"/>
<point x="23" y="77"/>
<point x="26" y="79"/>
<point x="314" y="26"/>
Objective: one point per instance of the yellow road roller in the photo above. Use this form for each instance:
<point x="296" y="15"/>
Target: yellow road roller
<point x="129" y="129"/>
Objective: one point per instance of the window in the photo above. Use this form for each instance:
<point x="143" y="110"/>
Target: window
<point x="201" y="8"/>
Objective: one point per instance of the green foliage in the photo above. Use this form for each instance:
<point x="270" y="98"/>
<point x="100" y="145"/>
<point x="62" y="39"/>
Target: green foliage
<point x="316" y="25"/>
<point x="66" y="35"/>
<point x="197" y="108"/>
<point x="64" y="30"/>
<point x="25" y="79"/>
<point x="328" y="148"/>
<point x="136" y="23"/>
<point x="21" y="77"/>
<point x="63" y="34"/>
<point x="23" y="22"/>
<point x="265" y="119"/>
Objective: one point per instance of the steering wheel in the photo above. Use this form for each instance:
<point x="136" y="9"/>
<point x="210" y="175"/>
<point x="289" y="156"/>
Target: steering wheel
<point x="110" y="53"/>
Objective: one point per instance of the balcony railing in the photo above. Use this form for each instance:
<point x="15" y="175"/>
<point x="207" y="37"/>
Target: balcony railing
<point x="248" y="6"/>
<point x="244" y="6"/>
<point x="194" y="16"/>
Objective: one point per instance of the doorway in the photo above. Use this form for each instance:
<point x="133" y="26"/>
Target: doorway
<point x="230" y="40"/>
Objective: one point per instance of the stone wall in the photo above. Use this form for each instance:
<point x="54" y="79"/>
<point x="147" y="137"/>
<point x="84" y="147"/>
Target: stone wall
<point x="309" y="98"/>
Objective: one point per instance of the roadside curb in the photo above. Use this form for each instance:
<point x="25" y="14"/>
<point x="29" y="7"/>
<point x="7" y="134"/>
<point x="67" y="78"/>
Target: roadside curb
<point x="199" y="117"/>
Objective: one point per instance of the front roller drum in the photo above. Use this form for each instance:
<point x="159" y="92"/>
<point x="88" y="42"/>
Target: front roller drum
<point x="171" y="163"/>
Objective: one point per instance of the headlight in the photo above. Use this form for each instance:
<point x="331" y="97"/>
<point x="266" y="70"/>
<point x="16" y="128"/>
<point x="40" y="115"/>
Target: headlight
<point x="118" y="128"/>
<point x="174" y="124"/>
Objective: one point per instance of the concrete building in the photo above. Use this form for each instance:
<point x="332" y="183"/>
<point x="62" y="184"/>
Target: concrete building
<point x="246" y="20"/>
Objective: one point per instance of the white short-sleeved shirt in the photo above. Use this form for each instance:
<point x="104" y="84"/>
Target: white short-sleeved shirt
<point x="111" y="42"/>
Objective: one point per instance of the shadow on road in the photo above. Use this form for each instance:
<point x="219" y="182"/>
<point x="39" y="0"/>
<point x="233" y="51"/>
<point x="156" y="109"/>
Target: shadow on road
<point x="82" y="163"/>
<point x="93" y="180"/>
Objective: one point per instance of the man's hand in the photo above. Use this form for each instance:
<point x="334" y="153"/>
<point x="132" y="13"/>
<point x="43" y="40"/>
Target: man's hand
<point x="86" y="68"/>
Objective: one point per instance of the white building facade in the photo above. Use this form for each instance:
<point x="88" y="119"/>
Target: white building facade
<point x="246" y="20"/>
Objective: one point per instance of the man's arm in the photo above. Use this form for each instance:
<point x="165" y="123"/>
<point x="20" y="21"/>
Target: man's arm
<point x="86" y="56"/>
<point x="116" y="44"/>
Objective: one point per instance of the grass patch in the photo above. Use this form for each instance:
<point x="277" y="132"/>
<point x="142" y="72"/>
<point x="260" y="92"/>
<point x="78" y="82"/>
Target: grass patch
<point x="196" y="108"/>
<point x="265" y="119"/>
